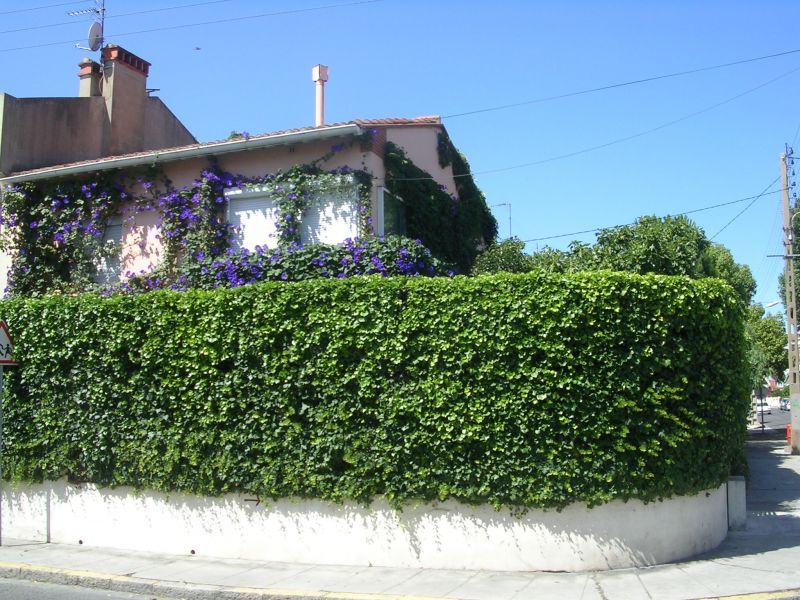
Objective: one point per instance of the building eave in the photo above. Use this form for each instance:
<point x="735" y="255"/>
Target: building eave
<point x="184" y="153"/>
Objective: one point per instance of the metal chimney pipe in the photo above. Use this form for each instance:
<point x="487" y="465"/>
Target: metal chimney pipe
<point x="319" y="74"/>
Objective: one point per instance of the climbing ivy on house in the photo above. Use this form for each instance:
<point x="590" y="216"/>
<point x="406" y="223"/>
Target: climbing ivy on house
<point x="454" y="225"/>
<point x="54" y="229"/>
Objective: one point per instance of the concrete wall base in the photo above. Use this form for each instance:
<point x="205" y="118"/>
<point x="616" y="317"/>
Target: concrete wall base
<point x="446" y="535"/>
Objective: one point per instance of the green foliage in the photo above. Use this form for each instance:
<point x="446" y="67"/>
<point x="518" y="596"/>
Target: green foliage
<point x="768" y="334"/>
<point x="529" y="390"/>
<point x="453" y="225"/>
<point x="54" y="232"/>
<point x="718" y="262"/>
<point x="506" y="257"/>
<point x="668" y="246"/>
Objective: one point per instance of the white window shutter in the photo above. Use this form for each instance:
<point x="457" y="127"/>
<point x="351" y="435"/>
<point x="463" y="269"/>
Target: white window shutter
<point x="253" y="219"/>
<point x="331" y="217"/>
<point x="109" y="267"/>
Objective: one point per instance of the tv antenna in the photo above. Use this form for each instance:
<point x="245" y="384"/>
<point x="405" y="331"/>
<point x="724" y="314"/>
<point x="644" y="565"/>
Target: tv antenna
<point x="95" y="36"/>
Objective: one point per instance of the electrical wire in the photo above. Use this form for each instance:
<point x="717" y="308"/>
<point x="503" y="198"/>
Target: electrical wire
<point x="619" y="85"/>
<point x="113" y="16"/>
<point x="687" y="212"/>
<point x="19" y="10"/>
<point x="203" y="23"/>
<point x="616" y="141"/>
<point x="741" y="212"/>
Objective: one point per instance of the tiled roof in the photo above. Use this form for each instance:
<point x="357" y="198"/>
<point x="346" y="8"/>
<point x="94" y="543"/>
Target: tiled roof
<point x="429" y="120"/>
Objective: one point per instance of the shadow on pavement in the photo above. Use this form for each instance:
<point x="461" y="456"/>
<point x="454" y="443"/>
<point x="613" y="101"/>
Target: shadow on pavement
<point x="773" y="502"/>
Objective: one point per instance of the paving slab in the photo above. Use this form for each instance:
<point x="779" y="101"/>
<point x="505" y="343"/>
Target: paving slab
<point x="624" y="583"/>
<point x="489" y="584"/>
<point x="672" y="583"/>
<point x="440" y="582"/>
<point x="558" y="586"/>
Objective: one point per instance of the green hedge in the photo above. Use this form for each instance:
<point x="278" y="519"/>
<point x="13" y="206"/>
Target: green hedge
<point x="524" y="390"/>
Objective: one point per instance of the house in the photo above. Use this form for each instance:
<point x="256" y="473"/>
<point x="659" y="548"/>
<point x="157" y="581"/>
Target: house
<point x="364" y="162"/>
<point x="114" y="113"/>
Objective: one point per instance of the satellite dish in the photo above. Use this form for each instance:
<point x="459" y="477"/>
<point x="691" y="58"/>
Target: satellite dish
<point x="95" y="36"/>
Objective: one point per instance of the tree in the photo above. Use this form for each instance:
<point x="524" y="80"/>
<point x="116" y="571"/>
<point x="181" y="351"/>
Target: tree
<point x="718" y="262"/>
<point x="769" y="336"/>
<point x="507" y="256"/>
<point x="668" y="246"/>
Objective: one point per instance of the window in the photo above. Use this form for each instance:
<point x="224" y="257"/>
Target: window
<point x="109" y="264"/>
<point x="390" y="214"/>
<point x="331" y="217"/>
<point x="252" y="213"/>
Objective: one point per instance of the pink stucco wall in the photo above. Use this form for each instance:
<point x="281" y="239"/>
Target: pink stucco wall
<point x="420" y="145"/>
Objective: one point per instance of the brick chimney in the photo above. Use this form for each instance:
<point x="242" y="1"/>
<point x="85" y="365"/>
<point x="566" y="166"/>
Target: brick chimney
<point x="125" y="93"/>
<point x="90" y="75"/>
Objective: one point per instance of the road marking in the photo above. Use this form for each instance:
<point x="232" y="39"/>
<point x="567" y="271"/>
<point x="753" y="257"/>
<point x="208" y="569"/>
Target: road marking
<point x="758" y="595"/>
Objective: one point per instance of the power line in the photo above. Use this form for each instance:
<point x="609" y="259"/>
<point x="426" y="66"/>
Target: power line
<point x="688" y="212"/>
<point x="19" y="10"/>
<point x="112" y="16"/>
<point x="203" y="23"/>
<point x="741" y="212"/>
<point x="617" y="141"/>
<point x="619" y="85"/>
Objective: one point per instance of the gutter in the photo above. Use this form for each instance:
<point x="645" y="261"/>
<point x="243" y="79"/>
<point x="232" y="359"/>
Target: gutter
<point x="169" y="155"/>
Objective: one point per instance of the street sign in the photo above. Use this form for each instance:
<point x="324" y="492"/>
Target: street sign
<point x="6" y="347"/>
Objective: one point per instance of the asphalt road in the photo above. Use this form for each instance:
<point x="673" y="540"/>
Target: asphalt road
<point x="777" y="419"/>
<point x="15" y="589"/>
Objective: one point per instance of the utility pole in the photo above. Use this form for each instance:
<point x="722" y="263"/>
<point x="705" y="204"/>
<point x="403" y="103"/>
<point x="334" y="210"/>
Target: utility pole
<point x="791" y="306"/>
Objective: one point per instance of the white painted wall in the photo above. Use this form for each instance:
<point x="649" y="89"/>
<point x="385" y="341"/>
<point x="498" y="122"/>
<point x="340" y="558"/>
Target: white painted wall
<point x="444" y="535"/>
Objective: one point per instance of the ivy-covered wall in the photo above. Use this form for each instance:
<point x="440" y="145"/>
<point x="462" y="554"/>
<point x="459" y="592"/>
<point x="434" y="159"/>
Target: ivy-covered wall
<point x="521" y="390"/>
<point x="455" y="224"/>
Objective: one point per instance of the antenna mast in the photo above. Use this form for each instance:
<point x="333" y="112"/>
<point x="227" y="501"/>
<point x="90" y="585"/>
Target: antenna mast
<point x="95" y="37"/>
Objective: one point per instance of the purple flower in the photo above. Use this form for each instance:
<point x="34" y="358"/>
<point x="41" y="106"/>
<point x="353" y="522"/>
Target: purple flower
<point x="34" y="224"/>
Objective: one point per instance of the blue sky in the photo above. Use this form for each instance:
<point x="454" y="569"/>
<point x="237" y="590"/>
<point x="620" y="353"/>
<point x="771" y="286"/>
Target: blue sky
<point x="697" y="140"/>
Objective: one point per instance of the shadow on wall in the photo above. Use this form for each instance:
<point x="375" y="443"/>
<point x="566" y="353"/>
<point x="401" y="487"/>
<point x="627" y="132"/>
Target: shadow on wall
<point x="434" y="535"/>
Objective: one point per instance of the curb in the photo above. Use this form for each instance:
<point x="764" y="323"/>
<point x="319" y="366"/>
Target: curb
<point x="780" y="595"/>
<point x="177" y="589"/>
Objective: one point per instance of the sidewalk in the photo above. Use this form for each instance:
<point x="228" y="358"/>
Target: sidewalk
<point x="764" y="558"/>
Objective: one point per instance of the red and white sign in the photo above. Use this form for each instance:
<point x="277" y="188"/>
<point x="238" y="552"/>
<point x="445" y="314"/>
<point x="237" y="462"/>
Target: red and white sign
<point x="6" y="346"/>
